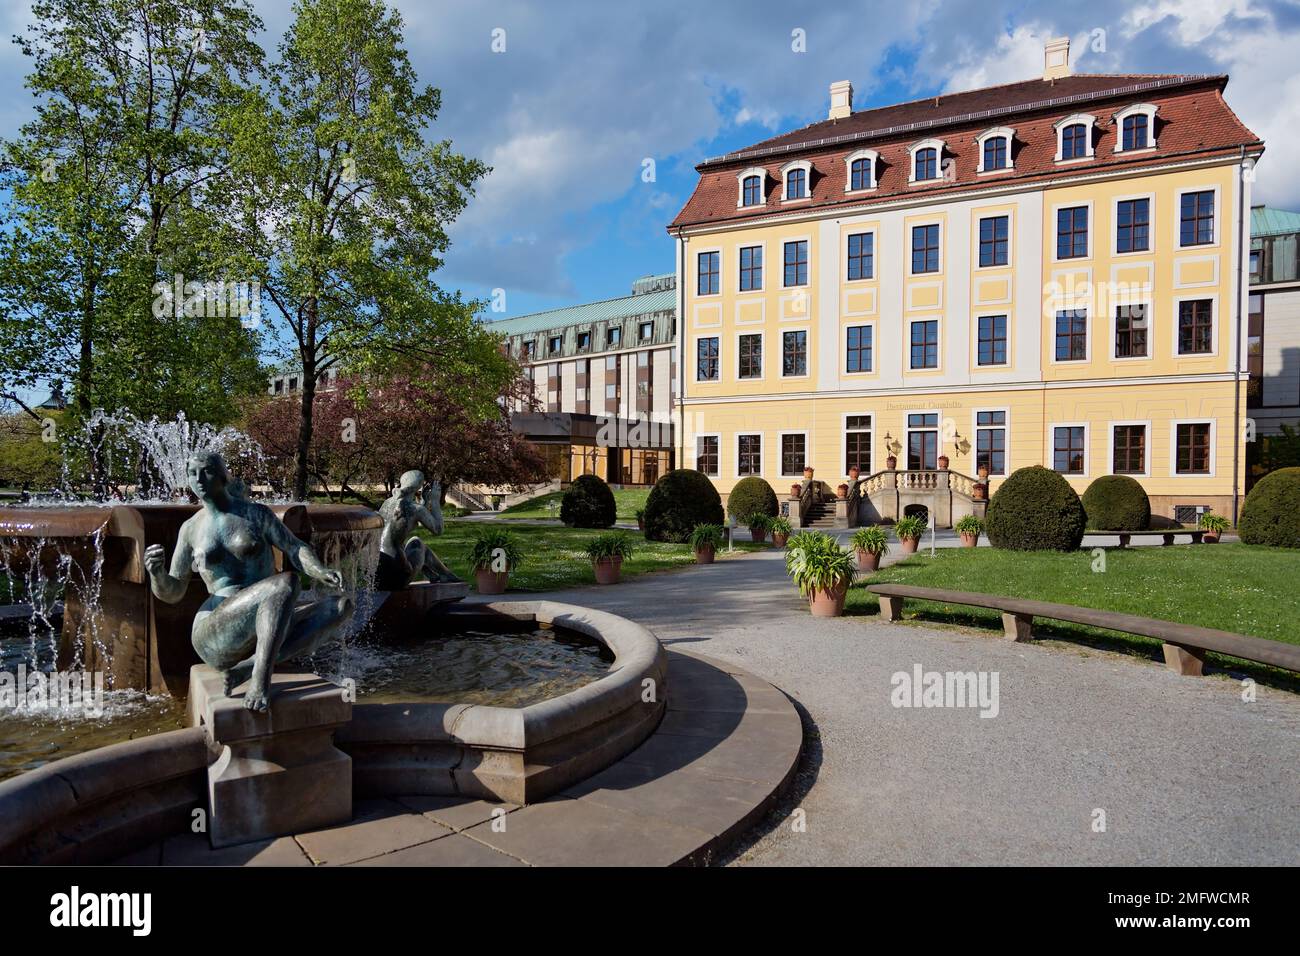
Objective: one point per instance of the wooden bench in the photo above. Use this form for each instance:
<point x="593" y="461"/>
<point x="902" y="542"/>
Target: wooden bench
<point x="1184" y="644"/>
<point x="1166" y="533"/>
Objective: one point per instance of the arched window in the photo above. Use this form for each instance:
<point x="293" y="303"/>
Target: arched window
<point x="927" y="164"/>
<point x="753" y="191"/>
<point x="1074" y="141"/>
<point x="1135" y="131"/>
<point x="995" y="153"/>
<point x="861" y="173"/>
<point x="796" y="184"/>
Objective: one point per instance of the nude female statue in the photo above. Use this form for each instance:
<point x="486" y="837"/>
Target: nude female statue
<point x="400" y="562"/>
<point x="251" y="620"/>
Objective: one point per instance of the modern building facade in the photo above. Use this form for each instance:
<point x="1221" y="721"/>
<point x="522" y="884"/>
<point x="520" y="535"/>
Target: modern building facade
<point x="1046" y="272"/>
<point x="604" y="380"/>
<point x="1273" y="343"/>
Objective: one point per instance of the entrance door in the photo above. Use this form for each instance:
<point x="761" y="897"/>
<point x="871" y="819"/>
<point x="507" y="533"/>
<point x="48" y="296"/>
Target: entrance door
<point x="922" y="442"/>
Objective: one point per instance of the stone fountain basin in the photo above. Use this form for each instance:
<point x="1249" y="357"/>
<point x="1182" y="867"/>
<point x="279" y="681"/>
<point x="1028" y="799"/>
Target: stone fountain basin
<point x="516" y="754"/>
<point x="101" y="805"/>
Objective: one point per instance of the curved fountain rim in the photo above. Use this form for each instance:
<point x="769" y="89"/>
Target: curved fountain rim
<point x="638" y="657"/>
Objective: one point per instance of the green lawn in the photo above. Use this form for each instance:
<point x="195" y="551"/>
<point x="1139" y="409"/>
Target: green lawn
<point x="1232" y="587"/>
<point x="548" y="506"/>
<point x="555" y="557"/>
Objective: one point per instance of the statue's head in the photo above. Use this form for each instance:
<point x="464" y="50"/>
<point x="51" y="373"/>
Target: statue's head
<point x="410" y="482"/>
<point x="207" y="474"/>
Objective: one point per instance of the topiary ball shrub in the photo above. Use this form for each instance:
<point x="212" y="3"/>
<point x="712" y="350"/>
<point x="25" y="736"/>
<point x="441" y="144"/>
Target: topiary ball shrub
<point x="679" y="501"/>
<point x="1117" y="503"/>
<point x="752" y="495"/>
<point x="1271" y="513"/>
<point x="1035" y="510"/>
<point x="588" y="504"/>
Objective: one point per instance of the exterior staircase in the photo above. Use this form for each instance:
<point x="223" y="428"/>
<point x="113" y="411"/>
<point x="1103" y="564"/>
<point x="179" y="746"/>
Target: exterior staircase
<point x="820" y="515"/>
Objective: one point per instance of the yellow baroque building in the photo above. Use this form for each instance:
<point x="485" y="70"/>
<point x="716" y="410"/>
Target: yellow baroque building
<point x="1042" y="273"/>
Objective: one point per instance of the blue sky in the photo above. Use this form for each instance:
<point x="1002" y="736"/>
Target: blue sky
<point x="584" y="93"/>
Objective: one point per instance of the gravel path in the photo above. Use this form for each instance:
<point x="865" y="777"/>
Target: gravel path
<point x="1184" y="770"/>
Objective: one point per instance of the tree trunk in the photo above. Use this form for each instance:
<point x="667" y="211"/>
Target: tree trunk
<point x="304" y="434"/>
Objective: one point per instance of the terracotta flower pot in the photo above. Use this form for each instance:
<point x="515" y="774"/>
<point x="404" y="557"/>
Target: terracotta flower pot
<point x="608" y="570"/>
<point x="969" y="540"/>
<point x="891" y="463"/>
<point x="943" y="462"/>
<point x="979" y="490"/>
<point x="758" y="534"/>
<point x="795" y="491"/>
<point x="842" y="492"/>
<point x="908" y="545"/>
<point x="488" y="581"/>
<point x="779" y="539"/>
<point x="1210" y="537"/>
<point x="868" y="561"/>
<point x="828" y="603"/>
<point x="704" y="555"/>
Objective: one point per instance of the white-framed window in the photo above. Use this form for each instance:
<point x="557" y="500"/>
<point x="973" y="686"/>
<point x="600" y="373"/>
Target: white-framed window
<point x="994" y="150"/>
<point x="923" y="345"/>
<point x="1135" y="128"/>
<point x="993" y="340"/>
<point x="860" y="255"/>
<point x="749" y="356"/>
<point x="796" y="180"/>
<point x="708" y="454"/>
<point x="860" y="170"/>
<point x="708" y="358"/>
<point x="925" y="161"/>
<point x="794" y="353"/>
<point x="1191" y="447"/>
<point x="1134" y="219"/>
<point x="1130" y="335"/>
<point x="1130" y="449"/>
<point x="1196" y="319"/>
<point x="1073" y="236"/>
<point x="708" y="272"/>
<point x="751" y="187"/>
<point x="1074" y="137"/>
<point x="859" y="348"/>
<point x="749" y="454"/>
<point x="794" y="453"/>
<point x="749" y="258"/>
<point x="794" y="263"/>
<point x="1071" y="338"/>
<point x="1197" y="218"/>
<point x="1069" y="445"/>
<point x="857" y="441"/>
<point x="991" y="439"/>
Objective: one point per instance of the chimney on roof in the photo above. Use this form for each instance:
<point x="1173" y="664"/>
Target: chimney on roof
<point x="841" y="99"/>
<point x="1056" y="58"/>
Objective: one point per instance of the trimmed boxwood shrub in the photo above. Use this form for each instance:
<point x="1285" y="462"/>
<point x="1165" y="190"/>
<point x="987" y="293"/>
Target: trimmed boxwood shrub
<point x="588" y="504"/>
<point x="1035" y="510"/>
<point x="1271" y="513"/>
<point x="679" y="501"/>
<point x="752" y="495"/>
<point x="1117" y="503"/>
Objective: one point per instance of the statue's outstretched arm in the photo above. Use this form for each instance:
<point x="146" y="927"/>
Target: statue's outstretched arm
<point x="170" y="586"/>
<point x="298" y="553"/>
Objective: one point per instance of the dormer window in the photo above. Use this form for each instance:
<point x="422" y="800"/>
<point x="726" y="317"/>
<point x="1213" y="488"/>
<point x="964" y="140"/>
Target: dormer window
<point x="751" y="184"/>
<point x="861" y="170"/>
<point x="1137" y="127"/>
<point x="1074" y="137"/>
<point x="927" y="161"/>
<point x="995" y="149"/>
<point x="797" y="177"/>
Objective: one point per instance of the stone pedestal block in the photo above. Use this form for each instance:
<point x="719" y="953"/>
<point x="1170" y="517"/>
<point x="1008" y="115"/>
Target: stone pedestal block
<point x="277" y="773"/>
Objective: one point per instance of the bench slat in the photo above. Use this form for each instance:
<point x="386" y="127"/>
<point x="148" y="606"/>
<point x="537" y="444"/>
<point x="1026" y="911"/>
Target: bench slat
<point x="1170" y="632"/>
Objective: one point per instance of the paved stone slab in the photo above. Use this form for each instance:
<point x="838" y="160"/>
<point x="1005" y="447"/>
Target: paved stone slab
<point x="380" y="826"/>
<point x="193" y="849"/>
<point x="586" y="833"/>
<point x="457" y="813"/>
<point x="454" y="850"/>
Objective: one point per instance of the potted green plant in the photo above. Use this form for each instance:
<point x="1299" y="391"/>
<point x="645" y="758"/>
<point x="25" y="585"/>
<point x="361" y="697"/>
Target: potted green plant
<point x="607" y="552"/>
<point x="758" y="524"/>
<point x="1213" y="526"/>
<point x="870" y="544"/>
<point x="640" y="519"/>
<point x="969" y="527"/>
<point x="780" y="528"/>
<point x="909" y="531"/>
<point x="822" y="571"/>
<point x="496" y="552"/>
<point x="705" y="540"/>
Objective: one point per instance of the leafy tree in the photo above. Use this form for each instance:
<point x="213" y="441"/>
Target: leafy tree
<point x="346" y="206"/>
<point x="109" y="193"/>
